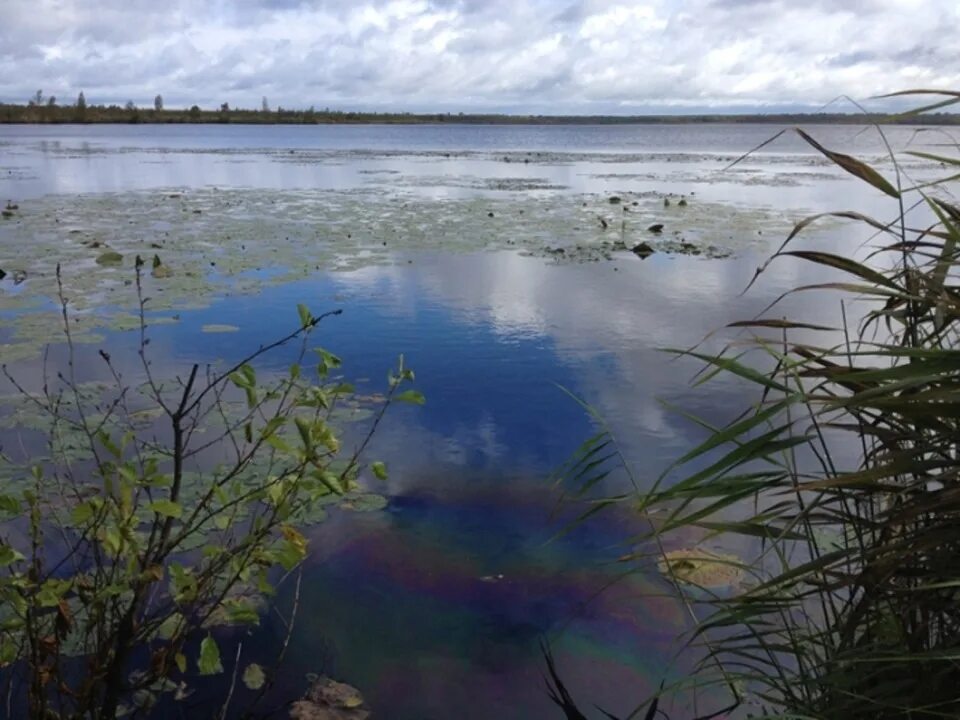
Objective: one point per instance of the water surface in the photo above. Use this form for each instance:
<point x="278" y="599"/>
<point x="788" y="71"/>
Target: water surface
<point x="436" y="606"/>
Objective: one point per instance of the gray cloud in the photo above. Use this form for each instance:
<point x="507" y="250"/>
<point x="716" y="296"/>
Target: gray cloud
<point x="580" y="56"/>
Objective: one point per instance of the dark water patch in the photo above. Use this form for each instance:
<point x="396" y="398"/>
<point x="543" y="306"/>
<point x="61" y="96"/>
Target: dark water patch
<point x="467" y="586"/>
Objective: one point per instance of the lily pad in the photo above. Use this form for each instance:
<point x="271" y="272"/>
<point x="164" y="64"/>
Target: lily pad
<point x="245" y="240"/>
<point x="161" y="272"/>
<point x="328" y="699"/>
<point x="110" y="258"/>
<point x="253" y="676"/>
<point x="365" y="502"/>
<point x="703" y="568"/>
<point x="219" y="328"/>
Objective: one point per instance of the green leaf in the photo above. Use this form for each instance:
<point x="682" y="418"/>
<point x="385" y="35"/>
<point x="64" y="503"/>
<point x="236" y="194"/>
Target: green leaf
<point x="8" y="555"/>
<point x="305" y="317"/>
<point x="278" y="443"/>
<point x="276" y="491"/>
<point x="109" y="444"/>
<point x="303" y="427"/>
<point x="272" y="426"/>
<point x="379" y="470"/>
<point x="415" y="397"/>
<point x="112" y="540"/>
<point x="182" y="583"/>
<point x="170" y="626"/>
<point x="330" y="480"/>
<point x="754" y="529"/>
<point x="290" y="550"/>
<point x="287" y="555"/>
<point x="253" y="677"/>
<point x="329" y="358"/>
<point x="209" y="662"/>
<point x="845" y="264"/>
<point x="365" y="502"/>
<point x="51" y="592"/>
<point x="9" y="504"/>
<point x="239" y="379"/>
<point x="734" y="367"/>
<point x="181" y="660"/>
<point x="128" y="473"/>
<point x="854" y="167"/>
<point x="9" y="651"/>
<point x="733" y="432"/>
<point x="167" y="508"/>
<point x="249" y="373"/>
<point x="241" y="612"/>
<point x="951" y="96"/>
<point x="778" y="324"/>
<point x="245" y="377"/>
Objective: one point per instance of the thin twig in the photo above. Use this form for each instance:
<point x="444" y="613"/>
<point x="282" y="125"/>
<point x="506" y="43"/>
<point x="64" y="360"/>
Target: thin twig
<point x="233" y="682"/>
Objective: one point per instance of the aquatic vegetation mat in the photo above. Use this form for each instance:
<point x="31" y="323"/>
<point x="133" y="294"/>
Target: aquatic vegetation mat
<point x="703" y="568"/>
<point x="194" y="247"/>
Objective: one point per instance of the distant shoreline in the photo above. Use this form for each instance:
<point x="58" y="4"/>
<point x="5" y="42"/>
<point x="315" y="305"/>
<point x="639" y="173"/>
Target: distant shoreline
<point x="97" y="115"/>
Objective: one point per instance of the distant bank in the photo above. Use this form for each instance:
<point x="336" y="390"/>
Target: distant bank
<point x="95" y="114"/>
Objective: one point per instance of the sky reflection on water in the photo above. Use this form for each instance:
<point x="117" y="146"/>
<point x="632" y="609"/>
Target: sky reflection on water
<point x="409" y="604"/>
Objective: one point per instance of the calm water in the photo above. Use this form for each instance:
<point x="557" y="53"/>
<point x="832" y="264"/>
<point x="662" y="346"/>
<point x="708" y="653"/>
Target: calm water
<point x="39" y="160"/>
<point x="408" y="605"/>
<point x="665" y="138"/>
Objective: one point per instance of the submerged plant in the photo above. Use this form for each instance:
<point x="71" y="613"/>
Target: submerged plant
<point x="162" y="512"/>
<point x="842" y="477"/>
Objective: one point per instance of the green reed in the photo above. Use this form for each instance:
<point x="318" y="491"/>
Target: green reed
<point x="849" y="603"/>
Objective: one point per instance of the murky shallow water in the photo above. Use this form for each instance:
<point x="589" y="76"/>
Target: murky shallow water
<point x="436" y="606"/>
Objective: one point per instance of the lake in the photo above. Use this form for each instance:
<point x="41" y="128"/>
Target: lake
<point x="496" y="260"/>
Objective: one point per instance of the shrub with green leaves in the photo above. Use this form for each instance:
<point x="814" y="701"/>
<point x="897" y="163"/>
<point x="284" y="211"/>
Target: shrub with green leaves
<point x="162" y="511"/>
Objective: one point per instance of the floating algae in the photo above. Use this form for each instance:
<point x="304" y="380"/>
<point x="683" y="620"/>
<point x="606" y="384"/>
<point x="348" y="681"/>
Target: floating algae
<point x="702" y="568"/>
<point x="215" y="242"/>
<point x="505" y="184"/>
<point x="110" y="258"/>
<point x="127" y="321"/>
<point x="219" y="328"/>
<point x="364" y="502"/>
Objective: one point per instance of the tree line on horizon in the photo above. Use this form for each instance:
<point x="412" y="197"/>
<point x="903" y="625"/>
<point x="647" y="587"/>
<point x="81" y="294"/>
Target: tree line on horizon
<point x="46" y="110"/>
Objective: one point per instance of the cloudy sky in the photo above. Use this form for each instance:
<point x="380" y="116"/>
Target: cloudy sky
<point x="539" y="56"/>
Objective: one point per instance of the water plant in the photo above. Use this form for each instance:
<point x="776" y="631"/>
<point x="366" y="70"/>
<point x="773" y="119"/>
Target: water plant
<point x="840" y="479"/>
<point x="163" y="511"/>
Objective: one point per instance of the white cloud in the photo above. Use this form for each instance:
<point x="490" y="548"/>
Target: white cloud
<point x="508" y="55"/>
